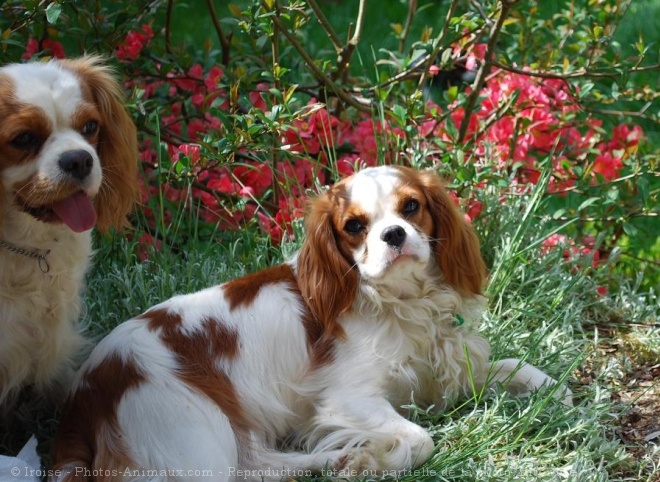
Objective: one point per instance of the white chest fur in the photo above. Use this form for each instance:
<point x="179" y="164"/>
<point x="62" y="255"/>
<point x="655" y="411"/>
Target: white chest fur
<point x="40" y="304"/>
<point x="420" y="349"/>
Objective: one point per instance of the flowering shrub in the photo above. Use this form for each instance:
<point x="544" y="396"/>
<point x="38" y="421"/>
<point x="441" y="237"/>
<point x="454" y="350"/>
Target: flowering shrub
<point x="231" y="143"/>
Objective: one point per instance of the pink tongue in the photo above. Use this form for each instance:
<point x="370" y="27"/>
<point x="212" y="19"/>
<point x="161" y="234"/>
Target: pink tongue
<point x="77" y="212"/>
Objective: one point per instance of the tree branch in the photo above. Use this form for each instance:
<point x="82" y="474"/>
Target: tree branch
<point x="344" y="58"/>
<point x="225" y="40"/>
<point x="479" y="81"/>
<point x="571" y="75"/>
<point x="625" y="113"/>
<point x="412" y="9"/>
<point x="320" y="16"/>
<point x="439" y="43"/>
<point x="609" y="219"/>
<point x="318" y="73"/>
<point x="168" y="25"/>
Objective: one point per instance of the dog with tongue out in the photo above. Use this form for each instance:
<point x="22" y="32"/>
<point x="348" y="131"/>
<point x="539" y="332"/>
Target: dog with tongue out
<point x="68" y="163"/>
<point x="76" y="211"/>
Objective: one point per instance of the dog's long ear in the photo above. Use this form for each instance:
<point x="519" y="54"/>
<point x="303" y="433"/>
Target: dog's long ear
<point x="117" y="147"/>
<point x="326" y="279"/>
<point x="456" y="245"/>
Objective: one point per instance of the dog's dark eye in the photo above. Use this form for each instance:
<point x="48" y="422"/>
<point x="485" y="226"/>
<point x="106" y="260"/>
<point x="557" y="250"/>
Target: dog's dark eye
<point x="354" y="226"/>
<point x="410" y="207"/>
<point x="90" y="128"/>
<point x="25" y="140"/>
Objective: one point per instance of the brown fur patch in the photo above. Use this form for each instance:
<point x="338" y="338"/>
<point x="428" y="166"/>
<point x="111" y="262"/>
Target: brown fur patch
<point x="456" y="245"/>
<point x="326" y="276"/>
<point x="321" y="345"/>
<point x="17" y="118"/>
<point x="85" y="113"/>
<point x="242" y="291"/>
<point x="410" y="189"/>
<point x="197" y="353"/>
<point x="93" y="407"/>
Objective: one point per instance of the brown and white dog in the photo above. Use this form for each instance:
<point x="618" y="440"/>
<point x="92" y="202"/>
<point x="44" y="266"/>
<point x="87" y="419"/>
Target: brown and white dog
<point x="303" y="366"/>
<point x="68" y="162"/>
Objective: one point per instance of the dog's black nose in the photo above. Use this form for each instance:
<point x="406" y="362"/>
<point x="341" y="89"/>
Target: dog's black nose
<point x="394" y="236"/>
<point x="77" y="163"/>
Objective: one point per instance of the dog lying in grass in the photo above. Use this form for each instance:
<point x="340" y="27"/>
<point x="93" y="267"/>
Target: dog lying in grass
<point x="303" y="366"/>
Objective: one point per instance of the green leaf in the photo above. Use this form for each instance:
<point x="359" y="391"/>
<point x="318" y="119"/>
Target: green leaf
<point x="255" y="129"/>
<point x="588" y="203"/>
<point x="53" y="11"/>
<point x="643" y="188"/>
<point x="613" y="194"/>
<point x="630" y="230"/>
<point x="558" y="213"/>
<point x="585" y="89"/>
<point x="400" y="113"/>
<point x="451" y="93"/>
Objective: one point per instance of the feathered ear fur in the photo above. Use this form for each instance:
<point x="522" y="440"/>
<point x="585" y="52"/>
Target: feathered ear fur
<point x="326" y="279"/>
<point x="117" y="147"/>
<point x="456" y="245"/>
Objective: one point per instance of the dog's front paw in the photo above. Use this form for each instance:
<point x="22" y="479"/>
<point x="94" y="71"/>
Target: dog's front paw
<point x="358" y="461"/>
<point x="387" y="453"/>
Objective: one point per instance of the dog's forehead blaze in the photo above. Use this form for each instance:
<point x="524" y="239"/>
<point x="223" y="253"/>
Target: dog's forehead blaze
<point x="381" y="191"/>
<point x="373" y="190"/>
<point x="57" y="90"/>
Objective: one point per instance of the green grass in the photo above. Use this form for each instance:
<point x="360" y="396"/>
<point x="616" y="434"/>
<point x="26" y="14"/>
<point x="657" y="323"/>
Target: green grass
<point x="541" y="310"/>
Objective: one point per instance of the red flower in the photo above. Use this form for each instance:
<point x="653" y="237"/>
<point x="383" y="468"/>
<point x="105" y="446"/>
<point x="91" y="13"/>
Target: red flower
<point x="280" y="226"/>
<point x="213" y="78"/>
<point x="196" y="129"/>
<point x="474" y="209"/>
<point x="608" y="166"/>
<point x="556" y="241"/>
<point x="349" y="164"/>
<point x="224" y="184"/>
<point x="54" y="48"/>
<point x="134" y="43"/>
<point x="191" y="151"/>
<point x="31" y="48"/>
<point x="624" y="137"/>
<point x="363" y="137"/>
<point x="256" y="177"/>
<point x="256" y="99"/>
<point x="147" y="245"/>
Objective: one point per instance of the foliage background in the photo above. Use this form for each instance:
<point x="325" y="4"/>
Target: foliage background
<point x="553" y="156"/>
